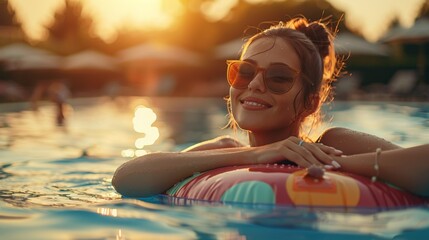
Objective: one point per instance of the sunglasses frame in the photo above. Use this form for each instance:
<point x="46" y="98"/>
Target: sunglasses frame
<point x="260" y="69"/>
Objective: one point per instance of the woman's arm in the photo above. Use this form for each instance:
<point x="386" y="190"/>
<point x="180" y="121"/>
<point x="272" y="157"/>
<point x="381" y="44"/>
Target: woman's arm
<point x="407" y="168"/>
<point x="154" y="173"/>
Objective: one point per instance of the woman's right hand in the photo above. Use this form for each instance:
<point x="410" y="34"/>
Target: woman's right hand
<point x="304" y="154"/>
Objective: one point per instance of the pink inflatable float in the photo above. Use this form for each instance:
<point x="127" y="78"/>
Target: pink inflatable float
<point x="290" y="185"/>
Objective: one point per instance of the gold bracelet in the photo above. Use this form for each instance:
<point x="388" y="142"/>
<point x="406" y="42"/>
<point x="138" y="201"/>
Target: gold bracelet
<point x="376" y="166"/>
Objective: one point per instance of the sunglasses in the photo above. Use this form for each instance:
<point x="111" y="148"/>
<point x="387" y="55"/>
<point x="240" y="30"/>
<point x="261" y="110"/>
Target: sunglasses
<point x="278" y="77"/>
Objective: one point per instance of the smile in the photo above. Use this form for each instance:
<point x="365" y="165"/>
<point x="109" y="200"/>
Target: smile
<point x="254" y="104"/>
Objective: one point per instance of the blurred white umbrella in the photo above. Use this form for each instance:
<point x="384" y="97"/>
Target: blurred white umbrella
<point x="20" y="56"/>
<point x="417" y="33"/>
<point x="89" y="59"/>
<point x="160" y="54"/>
<point x="35" y="62"/>
<point x="229" y="50"/>
<point x="18" y="50"/>
<point x="150" y="66"/>
<point x="348" y="43"/>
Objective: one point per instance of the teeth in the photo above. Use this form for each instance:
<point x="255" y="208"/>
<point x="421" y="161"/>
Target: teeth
<point x="254" y="104"/>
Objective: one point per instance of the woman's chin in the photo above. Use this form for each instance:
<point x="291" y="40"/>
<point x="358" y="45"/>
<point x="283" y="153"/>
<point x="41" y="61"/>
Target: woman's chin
<point x="253" y="125"/>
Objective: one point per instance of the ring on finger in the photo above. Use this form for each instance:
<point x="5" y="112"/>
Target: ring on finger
<point x="301" y="142"/>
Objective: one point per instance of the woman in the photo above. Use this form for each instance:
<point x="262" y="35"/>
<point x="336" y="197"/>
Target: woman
<point x="282" y="78"/>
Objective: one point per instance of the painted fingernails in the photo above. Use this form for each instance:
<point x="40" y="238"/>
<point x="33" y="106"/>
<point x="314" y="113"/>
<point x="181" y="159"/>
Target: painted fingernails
<point x="328" y="167"/>
<point x="335" y="164"/>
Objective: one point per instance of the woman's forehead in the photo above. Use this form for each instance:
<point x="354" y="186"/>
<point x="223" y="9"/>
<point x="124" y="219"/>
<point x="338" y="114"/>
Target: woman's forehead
<point x="272" y="49"/>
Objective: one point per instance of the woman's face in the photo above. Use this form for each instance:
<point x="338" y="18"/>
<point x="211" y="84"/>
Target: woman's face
<point x="257" y="109"/>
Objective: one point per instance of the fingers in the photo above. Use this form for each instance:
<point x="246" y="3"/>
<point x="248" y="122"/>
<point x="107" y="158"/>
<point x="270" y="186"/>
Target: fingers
<point x="323" y="153"/>
<point x="306" y="154"/>
<point x="329" y="150"/>
<point x="301" y="155"/>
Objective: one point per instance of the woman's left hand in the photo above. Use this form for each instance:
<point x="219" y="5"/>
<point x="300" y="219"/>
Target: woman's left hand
<point x="304" y="154"/>
<point x="320" y="151"/>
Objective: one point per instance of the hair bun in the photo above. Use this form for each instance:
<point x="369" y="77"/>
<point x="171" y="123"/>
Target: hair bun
<point x="317" y="33"/>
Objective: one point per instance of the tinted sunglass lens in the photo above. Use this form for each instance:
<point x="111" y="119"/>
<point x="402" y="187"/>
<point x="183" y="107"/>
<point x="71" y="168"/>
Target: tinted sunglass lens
<point x="241" y="74"/>
<point x="246" y="71"/>
<point x="232" y="74"/>
<point x="279" y="78"/>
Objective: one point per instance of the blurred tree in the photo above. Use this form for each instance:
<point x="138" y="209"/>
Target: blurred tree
<point x="424" y="12"/>
<point x="265" y="13"/>
<point x="194" y="31"/>
<point x="10" y="27"/>
<point x="197" y="30"/>
<point x="7" y="15"/>
<point x="72" y="31"/>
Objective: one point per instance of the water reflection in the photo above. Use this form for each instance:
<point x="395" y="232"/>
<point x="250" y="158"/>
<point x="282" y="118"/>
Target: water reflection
<point x="108" y="211"/>
<point x="143" y="120"/>
<point x="127" y="153"/>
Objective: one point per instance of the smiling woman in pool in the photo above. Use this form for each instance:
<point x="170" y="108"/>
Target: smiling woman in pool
<point x="282" y="78"/>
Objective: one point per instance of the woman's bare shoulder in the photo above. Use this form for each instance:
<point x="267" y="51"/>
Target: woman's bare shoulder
<point x="215" y="143"/>
<point x="354" y="142"/>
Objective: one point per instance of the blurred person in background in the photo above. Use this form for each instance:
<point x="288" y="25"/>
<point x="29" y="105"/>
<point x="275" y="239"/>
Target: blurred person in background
<point x="57" y="92"/>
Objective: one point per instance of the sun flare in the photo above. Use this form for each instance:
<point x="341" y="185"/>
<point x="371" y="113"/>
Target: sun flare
<point x="110" y="15"/>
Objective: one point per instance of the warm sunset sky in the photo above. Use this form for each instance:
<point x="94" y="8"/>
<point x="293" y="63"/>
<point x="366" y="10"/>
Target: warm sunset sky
<point x="372" y="16"/>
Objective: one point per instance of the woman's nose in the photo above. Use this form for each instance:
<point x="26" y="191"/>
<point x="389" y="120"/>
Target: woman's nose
<point x="257" y="83"/>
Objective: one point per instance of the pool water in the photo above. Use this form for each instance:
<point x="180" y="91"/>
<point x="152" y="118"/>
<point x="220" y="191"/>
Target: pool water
<point x="55" y="180"/>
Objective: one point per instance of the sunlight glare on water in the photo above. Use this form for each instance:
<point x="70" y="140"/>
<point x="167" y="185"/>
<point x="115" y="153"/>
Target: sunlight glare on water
<point x="143" y="119"/>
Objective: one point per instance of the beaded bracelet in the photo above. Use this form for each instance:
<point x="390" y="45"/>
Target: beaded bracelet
<point x="376" y="166"/>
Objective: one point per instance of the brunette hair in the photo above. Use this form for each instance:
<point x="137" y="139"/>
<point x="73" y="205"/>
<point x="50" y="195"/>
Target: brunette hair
<point x="313" y="43"/>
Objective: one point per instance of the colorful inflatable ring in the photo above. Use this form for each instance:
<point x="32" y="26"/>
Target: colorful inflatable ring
<point x="290" y="185"/>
